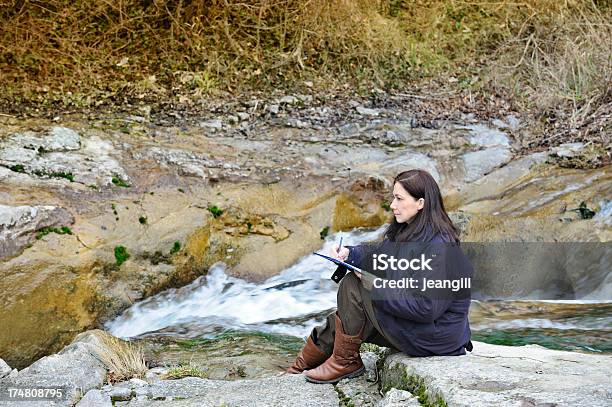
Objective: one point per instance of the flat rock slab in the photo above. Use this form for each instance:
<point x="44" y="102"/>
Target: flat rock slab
<point x="285" y="390"/>
<point x="495" y="375"/>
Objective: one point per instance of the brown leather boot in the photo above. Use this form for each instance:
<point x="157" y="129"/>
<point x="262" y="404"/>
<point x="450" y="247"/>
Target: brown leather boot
<point x="309" y="358"/>
<point x="345" y="362"/>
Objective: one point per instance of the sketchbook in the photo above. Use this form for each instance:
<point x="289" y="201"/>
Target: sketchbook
<point x="341" y="263"/>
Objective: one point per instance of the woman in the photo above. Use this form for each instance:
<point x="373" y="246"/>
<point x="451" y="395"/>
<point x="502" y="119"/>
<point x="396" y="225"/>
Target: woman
<point x="417" y="326"/>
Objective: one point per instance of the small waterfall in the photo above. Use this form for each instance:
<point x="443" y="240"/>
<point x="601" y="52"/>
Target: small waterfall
<point x="301" y="296"/>
<point x="291" y="302"/>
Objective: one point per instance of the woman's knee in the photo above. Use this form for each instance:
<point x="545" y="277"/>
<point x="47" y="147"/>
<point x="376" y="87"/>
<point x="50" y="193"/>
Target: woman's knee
<point x="349" y="281"/>
<point x="348" y="291"/>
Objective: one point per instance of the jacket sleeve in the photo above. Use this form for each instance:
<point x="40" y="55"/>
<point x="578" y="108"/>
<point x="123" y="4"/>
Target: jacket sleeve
<point x="354" y="258"/>
<point x="412" y="303"/>
<point x="355" y="255"/>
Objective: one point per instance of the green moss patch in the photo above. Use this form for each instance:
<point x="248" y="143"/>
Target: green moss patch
<point x="397" y="377"/>
<point x="64" y="230"/>
<point x="121" y="255"/>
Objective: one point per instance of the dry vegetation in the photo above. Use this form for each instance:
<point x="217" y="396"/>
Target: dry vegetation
<point x="179" y="372"/>
<point x="547" y="56"/>
<point x="122" y="359"/>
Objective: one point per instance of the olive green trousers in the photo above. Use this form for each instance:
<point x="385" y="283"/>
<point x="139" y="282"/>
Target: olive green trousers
<point x="356" y="311"/>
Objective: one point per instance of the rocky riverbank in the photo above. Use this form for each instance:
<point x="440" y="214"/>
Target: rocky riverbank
<point x="99" y="213"/>
<point x="490" y="375"/>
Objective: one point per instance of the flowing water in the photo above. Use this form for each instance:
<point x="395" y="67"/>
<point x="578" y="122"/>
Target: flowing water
<point x="300" y="297"/>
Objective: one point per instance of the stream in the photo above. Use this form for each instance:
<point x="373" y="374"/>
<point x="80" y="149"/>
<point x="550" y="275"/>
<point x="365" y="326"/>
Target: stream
<point x="300" y="297"/>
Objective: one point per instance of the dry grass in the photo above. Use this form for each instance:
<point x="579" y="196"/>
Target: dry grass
<point x="559" y="67"/>
<point x="179" y="372"/>
<point x="546" y="55"/>
<point x="123" y="360"/>
<point x="143" y="47"/>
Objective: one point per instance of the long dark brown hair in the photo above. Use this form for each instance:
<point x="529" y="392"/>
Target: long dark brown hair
<point x="429" y="221"/>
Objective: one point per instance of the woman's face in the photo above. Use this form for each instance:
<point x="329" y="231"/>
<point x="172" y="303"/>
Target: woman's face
<point x="404" y="206"/>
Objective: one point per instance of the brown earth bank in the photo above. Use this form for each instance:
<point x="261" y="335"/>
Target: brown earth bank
<point x="545" y="61"/>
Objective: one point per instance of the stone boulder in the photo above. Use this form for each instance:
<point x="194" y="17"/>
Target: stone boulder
<point x="494" y="375"/>
<point x="61" y="153"/>
<point x="284" y="390"/>
<point x="18" y="224"/>
<point x="76" y="369"/>
<point x="95" y="398"/>
<point x="5" y="369"/>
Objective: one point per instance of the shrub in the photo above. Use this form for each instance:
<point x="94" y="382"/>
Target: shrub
<point x="121" y="255"/>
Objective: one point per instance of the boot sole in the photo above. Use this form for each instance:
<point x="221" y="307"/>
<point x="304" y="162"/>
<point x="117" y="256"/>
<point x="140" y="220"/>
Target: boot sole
<point x="351" y="375"/>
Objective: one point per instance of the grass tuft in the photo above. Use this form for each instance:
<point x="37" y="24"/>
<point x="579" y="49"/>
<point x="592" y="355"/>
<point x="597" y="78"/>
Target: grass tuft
<point x="215" y="211"/>
<point x="119" y="182"/>
<point x="123" y="360"/>
<point x="179" y="372"/>
<point x="176" y="247"/>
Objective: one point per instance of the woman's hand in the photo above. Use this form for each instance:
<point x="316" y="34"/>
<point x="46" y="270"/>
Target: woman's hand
<point x="341" y="254"/>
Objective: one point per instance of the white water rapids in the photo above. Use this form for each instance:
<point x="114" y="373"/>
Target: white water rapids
<point x="290" y="303"/>
<point x="300" y="294"/>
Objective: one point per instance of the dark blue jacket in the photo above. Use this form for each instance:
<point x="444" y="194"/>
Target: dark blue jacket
<point x="422" y="325"/>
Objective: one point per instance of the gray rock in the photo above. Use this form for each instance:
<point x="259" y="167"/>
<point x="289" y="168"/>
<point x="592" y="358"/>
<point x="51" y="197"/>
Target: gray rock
<point x="188" y="163"/>
<point x="95" y="398"/>
<point x="479" y="163"/>
<point x="57" y="139"/>
<point x="243" y="116"/>
<point x="500" y="124"/>
<point x="5" y="369"/>
<point x="513" y="122"/>
<point x="285" y="390"/>
<point x="306" y="99"/>
<point x="18" y="224"/>
<point x="137" y="119"/>
<point x="399" y="398"/>
<point x="494" y="375"/>
<point x="369" y="360"/>
<point x="297" y="123"/>
<point x="120" y="393"/>
<point x="67" y="369"/>
<point x="411" y="160"/>
<point x="155" y="374"/>
<point x="484" y="136"/>
<point x="142" y="392"/>
<point x="349" y="129"/>
<point x="135" y="382"/>
<point x="288" y="100"/>
<point x="61" y="154"/>
<point x="364" y="111"/>
<point x="604" y="215"/>
<point x="393" y="138"/>
<point x="567" y="150"/>
<point x="274" y="109"/>
<point x="215" y="124"/>
<point x="358" y="392"/>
